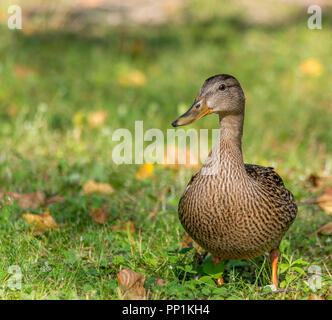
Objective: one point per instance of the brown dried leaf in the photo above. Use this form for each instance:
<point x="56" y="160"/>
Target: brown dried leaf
<point x="21" y="71"/>
<point x="159" y="282"/>
<point x="92" y="187"/>
<point x="317" y="182"/>
<point x="100" y="215"/>
<point x="124" y="226"/>
<point x="325" y="229"/>
<point x="41" y="223"/>
<point x="188" y="242"/>
<point x="55" y="199"/>
<point x="325" y="200"/>
<point x="133" y="284"/>
<point x="31" y="200"/>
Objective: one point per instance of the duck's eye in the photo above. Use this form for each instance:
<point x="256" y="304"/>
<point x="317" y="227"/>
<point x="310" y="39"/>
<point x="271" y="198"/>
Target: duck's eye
<point x="222" y="87"/>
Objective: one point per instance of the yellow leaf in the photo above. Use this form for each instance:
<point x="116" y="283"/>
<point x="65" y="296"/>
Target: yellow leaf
<point x="97" y="119"/>
<point x="145" y="171"/>
<point x="311" y="67"/>
<point x="78" y="119"/>
<point x="133" y="284"/>
<point x="92" y="187"/>
<point x="325" y="200"/>
<point x="134" y="78"/>
<point x="40" y="223"/>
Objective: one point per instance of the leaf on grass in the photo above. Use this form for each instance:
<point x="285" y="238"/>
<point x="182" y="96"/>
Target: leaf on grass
<point x="96" y="119"/>
<point x="40" y="223"/>
<point x="55" y="199"/>
<point x="21" y="71"/>
<point x="317" y="182"/>
<point x="188" y="242"/>
<point x="311" y="67"/>
<point x="124" y="226"/>
<point x="326" y="229"/>
<point x="133" y="78"/>
<point x="100" y="215"/>
<point x="325" y="200"/>
<point x="31" y="200"/>
<point x="145" y="171"/>
<point x="159" y="282"/>
<point x="92" y="187"/>
<point x="133" y="284"/>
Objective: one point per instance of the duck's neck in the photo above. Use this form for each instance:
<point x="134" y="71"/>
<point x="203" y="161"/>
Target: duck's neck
<point x="226" y="155"/>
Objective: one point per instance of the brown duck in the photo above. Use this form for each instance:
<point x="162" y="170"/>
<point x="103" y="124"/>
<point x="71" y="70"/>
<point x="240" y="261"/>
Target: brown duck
<point x="231" y="209"/>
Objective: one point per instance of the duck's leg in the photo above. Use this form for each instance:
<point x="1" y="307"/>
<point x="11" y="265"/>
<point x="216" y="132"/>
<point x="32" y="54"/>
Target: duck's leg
<point x="274" y="257"/>
<point x="217" y="260"/>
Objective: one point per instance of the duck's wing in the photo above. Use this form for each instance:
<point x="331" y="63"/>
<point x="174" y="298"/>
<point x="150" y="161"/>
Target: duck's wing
<point x="272" y="183"/>
<point x="265" y="175"/>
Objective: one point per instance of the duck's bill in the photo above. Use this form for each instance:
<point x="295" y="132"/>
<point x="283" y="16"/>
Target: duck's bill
<point x="198" y="110"/>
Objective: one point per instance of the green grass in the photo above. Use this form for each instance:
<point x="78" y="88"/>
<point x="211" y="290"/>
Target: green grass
<point x="288" y="116"/>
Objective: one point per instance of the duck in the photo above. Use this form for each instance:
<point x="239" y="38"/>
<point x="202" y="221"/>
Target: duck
<point x="233" y="210"/>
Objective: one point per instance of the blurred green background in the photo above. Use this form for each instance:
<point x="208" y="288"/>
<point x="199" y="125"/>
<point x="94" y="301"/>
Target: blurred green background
<point x="79" y="70"/>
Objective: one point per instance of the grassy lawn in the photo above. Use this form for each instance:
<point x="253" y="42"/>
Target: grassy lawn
<point x="51" y="82"/>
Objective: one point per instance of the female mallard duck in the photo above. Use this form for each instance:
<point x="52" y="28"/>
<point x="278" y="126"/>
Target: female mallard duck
<point x="231" y="209"/>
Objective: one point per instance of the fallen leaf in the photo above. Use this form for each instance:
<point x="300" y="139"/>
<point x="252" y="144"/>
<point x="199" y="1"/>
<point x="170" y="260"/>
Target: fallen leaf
<point x="315" y="297"/>
<point x="124" y="226"/>
<point x="92" y="187"/>
<point x="21" y="71"/>
<point x="132" y="78"/>
<point x="159" y="282"/>
<point x="133" y="284"/>
<point x="78" y="119"/>
<point x="31" y="200"/>
<point x="325" y="200"/>
<point x="40" y="223"/>
<point x="138" y="46"/>
<point x="100" y="215"/>
<point x="311" y="67"/>
<point x="317" y="182"/>
<point x="55" y="199"/>
<point x="188" y="242"/>
<point x="145" y="171"/>
<point x="325" y="229"/>
<point x="97" y="119"/>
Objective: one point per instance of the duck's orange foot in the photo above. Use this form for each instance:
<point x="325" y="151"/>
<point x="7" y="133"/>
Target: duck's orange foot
<point x="274" y="257"/>
<point x="217" y="260"/>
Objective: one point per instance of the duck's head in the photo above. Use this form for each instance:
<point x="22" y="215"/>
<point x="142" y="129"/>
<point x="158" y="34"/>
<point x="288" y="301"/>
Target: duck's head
<point x="221" y="94"/>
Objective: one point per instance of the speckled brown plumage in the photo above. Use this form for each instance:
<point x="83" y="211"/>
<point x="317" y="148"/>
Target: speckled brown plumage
<point x="233" y="210"/>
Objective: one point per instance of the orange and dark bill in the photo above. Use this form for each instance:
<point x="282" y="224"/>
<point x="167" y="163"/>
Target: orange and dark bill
<point x="198" y="110"/>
